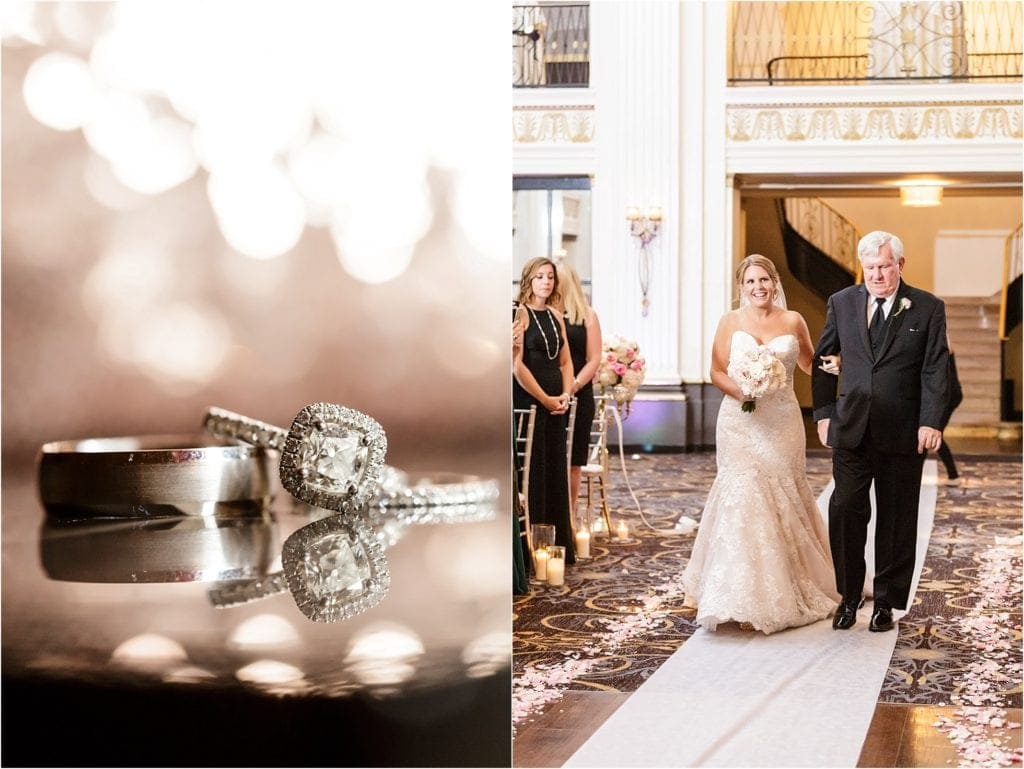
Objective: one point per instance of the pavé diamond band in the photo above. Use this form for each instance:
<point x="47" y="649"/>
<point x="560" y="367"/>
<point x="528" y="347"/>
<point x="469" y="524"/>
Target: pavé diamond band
<point x="399" y="489"/>
<point x="333" y="457"/>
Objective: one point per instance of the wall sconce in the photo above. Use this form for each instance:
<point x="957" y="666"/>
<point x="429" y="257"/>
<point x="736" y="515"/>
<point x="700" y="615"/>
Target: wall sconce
<point x="921" y="195"/>
<point x="644" y="227"/>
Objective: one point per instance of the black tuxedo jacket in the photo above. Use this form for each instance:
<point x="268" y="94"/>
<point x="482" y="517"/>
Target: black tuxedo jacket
<point x="904" y="387"/>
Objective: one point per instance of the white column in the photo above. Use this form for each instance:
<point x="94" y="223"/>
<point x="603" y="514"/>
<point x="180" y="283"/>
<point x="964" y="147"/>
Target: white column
<point x="635" y="74"/>
<point x="709" y="205"/>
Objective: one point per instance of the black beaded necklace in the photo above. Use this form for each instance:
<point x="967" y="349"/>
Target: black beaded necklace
<point x="554" y="329"/>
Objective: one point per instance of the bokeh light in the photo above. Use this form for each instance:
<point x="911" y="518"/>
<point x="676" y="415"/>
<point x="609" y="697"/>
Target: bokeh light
<point x="264" y="630"/>
<point x="258" y="209"/>
<point x="149" y="649"/>
<point x="59" y="91"/>
<point x="269" y="672"/>
<point x="487" y="654"/>
<point x="383" y="655"/>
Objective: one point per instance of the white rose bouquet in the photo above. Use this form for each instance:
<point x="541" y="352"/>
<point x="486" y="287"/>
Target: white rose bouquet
<point x="758" y="373"/>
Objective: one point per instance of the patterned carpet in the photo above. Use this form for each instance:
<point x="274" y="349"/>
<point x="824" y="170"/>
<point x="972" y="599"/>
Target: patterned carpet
<point x="933" y="650"/>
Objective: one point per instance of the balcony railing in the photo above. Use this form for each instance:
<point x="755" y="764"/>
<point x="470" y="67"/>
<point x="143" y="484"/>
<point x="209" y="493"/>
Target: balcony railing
<point x="858" y="42"/>
<point x="551" y="45"/>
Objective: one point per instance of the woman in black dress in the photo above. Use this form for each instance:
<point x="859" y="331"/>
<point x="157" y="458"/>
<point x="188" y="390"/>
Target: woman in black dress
<point x="583" y="329"/>
<point x="543" y="377"/>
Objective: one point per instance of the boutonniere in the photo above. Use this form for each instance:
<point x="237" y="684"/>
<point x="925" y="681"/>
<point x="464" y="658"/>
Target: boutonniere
<point x="905" y="304"/>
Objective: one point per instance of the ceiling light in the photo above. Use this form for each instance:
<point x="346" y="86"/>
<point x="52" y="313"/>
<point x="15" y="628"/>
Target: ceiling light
<point x="921" y="195"/>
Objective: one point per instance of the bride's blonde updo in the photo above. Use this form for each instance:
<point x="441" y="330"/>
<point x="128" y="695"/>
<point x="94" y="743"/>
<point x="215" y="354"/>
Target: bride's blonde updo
<point x="757" y="260"/>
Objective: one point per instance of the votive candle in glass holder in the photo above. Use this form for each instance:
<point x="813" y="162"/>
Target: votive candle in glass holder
<point x="541" y="558"/>
<point x="556" y="565"/>
<point x="542" y="536"/>
<point x="582" y="543"/>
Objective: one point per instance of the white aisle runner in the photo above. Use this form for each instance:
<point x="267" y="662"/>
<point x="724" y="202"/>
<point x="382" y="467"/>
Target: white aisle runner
<point x="800" y="697"/>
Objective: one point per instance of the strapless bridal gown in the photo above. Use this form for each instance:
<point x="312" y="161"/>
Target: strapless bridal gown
<point x="761" y="555"/>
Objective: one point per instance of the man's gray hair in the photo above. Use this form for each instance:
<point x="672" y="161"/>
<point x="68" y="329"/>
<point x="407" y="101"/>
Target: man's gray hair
<point x="870" y="243"/>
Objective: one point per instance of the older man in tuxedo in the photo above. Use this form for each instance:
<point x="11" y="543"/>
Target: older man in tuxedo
<point x="880" y="417"/>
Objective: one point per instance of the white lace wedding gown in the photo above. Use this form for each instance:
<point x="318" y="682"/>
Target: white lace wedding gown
<point x="761" y="554"/>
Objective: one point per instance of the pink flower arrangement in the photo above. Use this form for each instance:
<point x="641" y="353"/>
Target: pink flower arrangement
<point x="622" y="368"/>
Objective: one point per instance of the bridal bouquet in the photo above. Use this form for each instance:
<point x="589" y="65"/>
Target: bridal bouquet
<point x="621" y="369"/>
<point x="758" y="373"/>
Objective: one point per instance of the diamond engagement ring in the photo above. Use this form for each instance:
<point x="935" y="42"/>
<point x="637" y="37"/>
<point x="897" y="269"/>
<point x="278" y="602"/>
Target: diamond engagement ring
<point x="331" y="457"/>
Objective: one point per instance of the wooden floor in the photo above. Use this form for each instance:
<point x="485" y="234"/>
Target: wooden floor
<point x="904" y="735"/>
<point x="899" y="735"/>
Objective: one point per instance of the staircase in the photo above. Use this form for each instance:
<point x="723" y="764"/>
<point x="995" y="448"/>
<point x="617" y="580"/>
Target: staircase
<point x="973" y="326"/>
<point x="820" y="245"/>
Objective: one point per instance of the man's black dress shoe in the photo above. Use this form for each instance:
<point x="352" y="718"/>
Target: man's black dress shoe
<point x="845" y="616"/>
<point x="881" y="619"/>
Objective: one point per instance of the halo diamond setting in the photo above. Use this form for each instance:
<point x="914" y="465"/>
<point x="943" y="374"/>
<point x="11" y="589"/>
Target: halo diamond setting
<point x="335" y="568"/>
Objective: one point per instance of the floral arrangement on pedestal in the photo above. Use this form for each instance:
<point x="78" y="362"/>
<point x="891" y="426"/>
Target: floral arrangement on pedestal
<point x="621" y="371"/>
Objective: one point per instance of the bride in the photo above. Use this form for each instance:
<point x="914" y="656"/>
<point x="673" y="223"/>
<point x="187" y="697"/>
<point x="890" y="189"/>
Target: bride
<point x="761" y="557"/>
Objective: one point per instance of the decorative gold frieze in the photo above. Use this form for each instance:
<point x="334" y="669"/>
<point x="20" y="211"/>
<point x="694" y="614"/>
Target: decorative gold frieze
<point x="874" y="123"/>
<point x="532" y="125"/>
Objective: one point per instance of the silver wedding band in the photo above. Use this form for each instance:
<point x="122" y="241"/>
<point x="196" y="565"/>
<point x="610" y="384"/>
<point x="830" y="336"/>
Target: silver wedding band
<point x="152" y="476"/>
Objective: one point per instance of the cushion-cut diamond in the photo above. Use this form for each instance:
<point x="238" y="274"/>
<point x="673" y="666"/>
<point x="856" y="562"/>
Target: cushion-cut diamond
<point x="336" y="566"/>
<point x="333" y="458"/>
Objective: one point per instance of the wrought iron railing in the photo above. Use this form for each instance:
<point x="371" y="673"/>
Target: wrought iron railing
<point x="810" y="69"/>
<point x="845" y="41"/>
<point x="826" y="229"/>
<point x="551" y="45"/>
<point x="1012" y="269"/>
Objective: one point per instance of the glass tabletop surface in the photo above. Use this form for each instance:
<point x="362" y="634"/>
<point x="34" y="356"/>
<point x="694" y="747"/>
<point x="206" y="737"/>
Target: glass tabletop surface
<point x="197" y="612"/>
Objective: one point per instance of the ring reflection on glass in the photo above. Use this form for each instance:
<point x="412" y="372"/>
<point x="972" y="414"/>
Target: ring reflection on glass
<point x="165" y="550"/>
<point x="331" y="456"/>
<point x="334" y="567"/>
<point x="152" y="476"/>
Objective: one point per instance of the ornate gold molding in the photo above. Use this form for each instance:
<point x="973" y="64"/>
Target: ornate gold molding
<point x="534" y="125"/>
<point x="874" y="122"/>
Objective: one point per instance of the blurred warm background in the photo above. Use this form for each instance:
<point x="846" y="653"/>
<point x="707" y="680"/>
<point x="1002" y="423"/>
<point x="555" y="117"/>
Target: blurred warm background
<point x="255" y="208"/>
